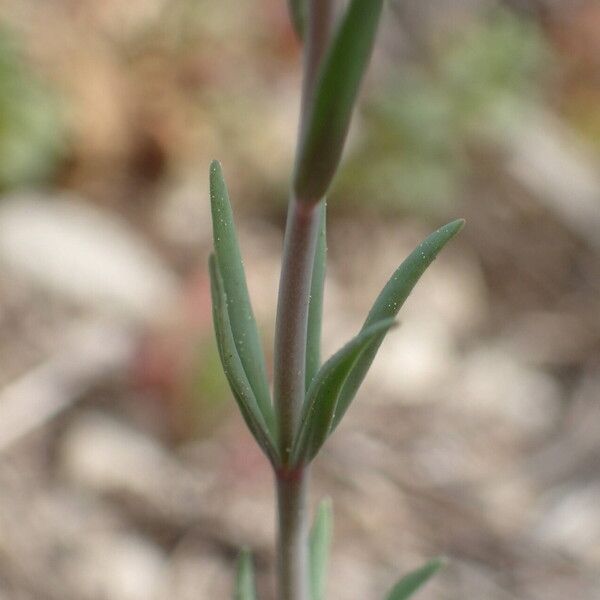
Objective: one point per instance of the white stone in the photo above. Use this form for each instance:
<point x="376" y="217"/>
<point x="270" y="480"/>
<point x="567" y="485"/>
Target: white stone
<point x="496" y="383"/>
<point x="84" y="254"/>
<point x="571" y="523"/>
<point x="120" y="567"/>
<point x="414" y="360"/>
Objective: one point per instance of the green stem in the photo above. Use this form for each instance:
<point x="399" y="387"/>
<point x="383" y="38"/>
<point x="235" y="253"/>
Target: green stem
<point x="292" y="318"/>
<point x="300" y="244"/>
<point x="292" y="559"/>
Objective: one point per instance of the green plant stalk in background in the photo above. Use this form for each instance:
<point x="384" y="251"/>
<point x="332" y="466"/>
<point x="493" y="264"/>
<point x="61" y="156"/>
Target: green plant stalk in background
<point x="309" y="399"/>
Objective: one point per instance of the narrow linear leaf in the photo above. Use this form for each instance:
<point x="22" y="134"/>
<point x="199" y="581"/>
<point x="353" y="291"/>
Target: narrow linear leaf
<point x="390" y="301"/>
<point x="320" y="542"/>
<point x="233" y="368"/>
<point x="244" y="583"/>
<point x="323" y="395"/>
<point x="315" y="307"/>
<point x="410" y="583"/>
<point x="402" y="282"/>
<point x="297" y="10"/>
<point x="330" y="112"/>
<point x="241" y="316"/>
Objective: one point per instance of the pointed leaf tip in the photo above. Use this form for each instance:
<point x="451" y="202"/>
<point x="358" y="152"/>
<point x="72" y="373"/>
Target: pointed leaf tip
<point x="457" y="225"/>
<point x="216" y="177"/>
<point x="412" y="582"/>
<point x="390" y="301"/>
<point x="239" y="308"/>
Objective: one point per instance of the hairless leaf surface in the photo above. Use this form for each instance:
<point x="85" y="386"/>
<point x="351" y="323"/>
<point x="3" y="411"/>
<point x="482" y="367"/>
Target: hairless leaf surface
<point x="334" y="98"/>
<point x="390" y="301"/>
<point x="309" y="399"/>
<point x="323" y="395"/>
<point x="233" y="367"/>
<point x="412" y="582"/>
<point x="315" y="307"/>
<point x="244" y="583"/>
<point x="241" y="317"/>
<point x="320" y="542"/>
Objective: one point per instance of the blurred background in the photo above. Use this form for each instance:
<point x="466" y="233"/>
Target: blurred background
<point x="125" y="471"/>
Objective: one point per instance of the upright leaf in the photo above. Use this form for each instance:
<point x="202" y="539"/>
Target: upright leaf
<point x="244" y="582"/>
<point x="409" y="584"/>
<point x="315" y="307"/>
<point x="297" y="10"/>
<point x="241" y="317"/>
<point x="323" y="395"/>
<point x="320" y="542"/>
<point x="232" y="365"/>
<point x="330" y="112"/>
<point x="390" y="301"/>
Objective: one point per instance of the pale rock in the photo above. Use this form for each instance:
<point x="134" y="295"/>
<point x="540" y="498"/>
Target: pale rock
<point x="570" y="522"/>
<point x="495" y="383"/>
<point x="352" y="576"/>
<point x="414" y="360"/>
<point x="108" y="457"/>
<point x="198" y="574"/>
<point x="84" y="254"/>
<point x="119" y="567"/>
<point x="183" y="218"/>
<point x="452" y="290"/>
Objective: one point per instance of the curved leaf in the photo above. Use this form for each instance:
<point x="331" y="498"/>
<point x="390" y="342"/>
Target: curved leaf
<point x="390" y="301"/>
<point x="244" y="582"/>
<point x="232" y="365"/>
<point x="320" y="542"/>
<point x="410" y="583"/>
<point x="315" y="307"/>
<point x="243" y="324"/>
<point x="323" y="395"/>
<point x="335" y="94"/>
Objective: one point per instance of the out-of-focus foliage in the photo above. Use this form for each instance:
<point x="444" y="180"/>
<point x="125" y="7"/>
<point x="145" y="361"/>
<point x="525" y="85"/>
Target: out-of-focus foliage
<point x="412" y="582"/>
<point x="31" y="132"/>
<point x="244" y="585"/>
<point x="412" y="154"/>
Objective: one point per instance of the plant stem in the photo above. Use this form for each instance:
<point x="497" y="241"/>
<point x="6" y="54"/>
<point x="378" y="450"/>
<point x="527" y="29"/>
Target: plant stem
<point x="289" y="387"/>
<point x="298" y="257"/>
<point x="300" y="244"/>
<point x="292" y="559"/>
<point x="292" y="317"/>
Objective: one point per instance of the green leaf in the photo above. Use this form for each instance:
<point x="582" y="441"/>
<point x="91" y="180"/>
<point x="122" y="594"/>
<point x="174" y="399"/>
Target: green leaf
<point x="244" y="582"/>
<point x="315" y="307"/>
<point x="297" y="10"/>
<point x="390" y="301"/>
<point x="243" y="324"/>
<point x="330" y="112"/>
<point x="410" y="583"/>
<point x="320" y="542"/>
<point x="323" y="395"/>
<point x="232" y="365"/>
